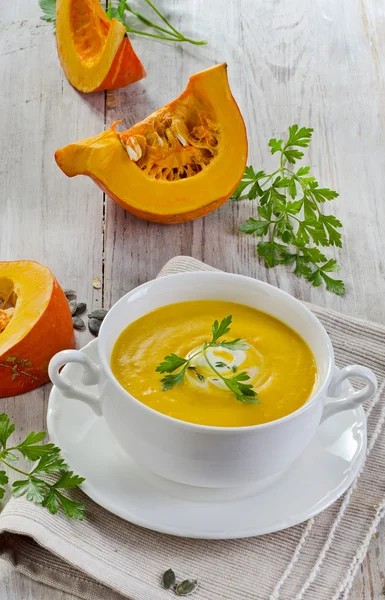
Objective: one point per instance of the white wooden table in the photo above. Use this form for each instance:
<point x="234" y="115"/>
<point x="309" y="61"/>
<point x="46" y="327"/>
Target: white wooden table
<point x="319" y="64"/>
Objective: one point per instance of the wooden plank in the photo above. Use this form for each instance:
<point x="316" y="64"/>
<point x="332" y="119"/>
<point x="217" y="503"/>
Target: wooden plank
<point x="43" y="216"/>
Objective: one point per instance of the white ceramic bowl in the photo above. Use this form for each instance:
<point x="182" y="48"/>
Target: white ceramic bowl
<point x="201" y="455"/>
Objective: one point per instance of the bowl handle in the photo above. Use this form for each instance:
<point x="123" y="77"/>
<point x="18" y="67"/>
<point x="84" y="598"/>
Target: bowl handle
<point x="91" y="376"/>
<point x="338" y="401"/>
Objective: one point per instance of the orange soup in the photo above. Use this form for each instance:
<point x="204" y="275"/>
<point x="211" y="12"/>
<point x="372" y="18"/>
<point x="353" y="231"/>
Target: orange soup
<point x="278" y="363"/>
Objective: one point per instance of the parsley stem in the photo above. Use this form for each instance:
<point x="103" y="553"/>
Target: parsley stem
<point x="15" y="468"/>
<point x="172" y="34"/>
<point x="268" y="177"/>
<point x="162" y="17"/>
<point x="150" y="23"/>
<point x="152" y="35"/>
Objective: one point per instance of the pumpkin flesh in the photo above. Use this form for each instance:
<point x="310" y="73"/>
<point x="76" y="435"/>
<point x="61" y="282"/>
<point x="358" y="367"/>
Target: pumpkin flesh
<point x="37" y="324"/>
<point x="95" y="53"/>
<point x="180" y="163"/>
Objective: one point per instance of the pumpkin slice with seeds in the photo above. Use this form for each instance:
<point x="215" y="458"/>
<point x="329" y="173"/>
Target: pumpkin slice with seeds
<point x="180" y="163"/>
<point x="94" y="51"/>
<point x="35" y="323"/>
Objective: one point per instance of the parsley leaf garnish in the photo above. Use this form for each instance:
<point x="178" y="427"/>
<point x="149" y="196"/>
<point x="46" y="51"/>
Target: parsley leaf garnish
<point x="49" y="9"/>
<point x="47" y="461"/>
<point x="242" y="391"/>
<point x="171" y="363"/>
<point x="290" y="215"/>
<point x="220" y="329"/>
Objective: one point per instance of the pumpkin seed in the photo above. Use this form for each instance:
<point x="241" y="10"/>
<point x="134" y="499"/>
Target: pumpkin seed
<point x="70" y="294"/>
<point x="78" y="323"/>
<point x="73" y="306"/>
<point x="99" y="314"/>
<point x="80" y="309"/>
<point x="94" y="326"/>
<point x="132" y="154"/>
<point x="181" y="139"/>
<point x="186" y="587"/>
<point x="96" y="283"/>
<point x="169" y="579"/>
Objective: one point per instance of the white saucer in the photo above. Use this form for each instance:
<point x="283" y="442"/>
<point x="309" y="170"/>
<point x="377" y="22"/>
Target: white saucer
<point x="320" y="476"/>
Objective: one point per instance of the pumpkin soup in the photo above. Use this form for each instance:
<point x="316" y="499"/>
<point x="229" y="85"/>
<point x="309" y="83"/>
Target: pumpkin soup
<point x="215" y="363"/>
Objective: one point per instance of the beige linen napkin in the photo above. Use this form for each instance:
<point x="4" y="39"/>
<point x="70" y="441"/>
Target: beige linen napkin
<point x="106" y="558"/>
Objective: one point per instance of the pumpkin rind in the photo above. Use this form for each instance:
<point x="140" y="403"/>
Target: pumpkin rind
<point x="95" y="53"/>
<point x="41" y="325"/>
<point x="203" y="123"/>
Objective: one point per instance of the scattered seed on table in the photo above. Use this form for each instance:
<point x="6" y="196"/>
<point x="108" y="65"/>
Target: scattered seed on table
<point x="80" y="309"/>
<point x="70" y="294"/>
<point x="99" y="314"/>
<point x="94" y="326"/>
<point x="78" y="323"/>
<point x="186" y="587"/>
<point x="168" y="579"/>
<point x="96" y="283"/>
<point x="73" y="306"/>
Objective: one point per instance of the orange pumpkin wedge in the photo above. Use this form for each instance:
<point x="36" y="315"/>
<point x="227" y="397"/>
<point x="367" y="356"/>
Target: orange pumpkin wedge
<point x="95" y="53"/>
<point x="35" y="323"/>
<point x="180" y="163"/>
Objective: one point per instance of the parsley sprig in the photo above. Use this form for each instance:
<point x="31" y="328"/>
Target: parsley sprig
<point x="168" y="33"/>
<point x="290" y="215"/>
<point x="33" y="485"/>
<point x="243" y="392"/>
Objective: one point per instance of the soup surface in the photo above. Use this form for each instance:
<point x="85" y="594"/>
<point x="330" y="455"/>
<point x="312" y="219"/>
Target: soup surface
<point x="278" y="361"/>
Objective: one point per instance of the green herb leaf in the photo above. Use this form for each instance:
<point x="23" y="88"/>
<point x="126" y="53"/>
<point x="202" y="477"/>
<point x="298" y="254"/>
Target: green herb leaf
<point x="301" y="267"/>
<point x="330" y="222"/>
<point x="254" y="226"/>
<point x="170" y="380"/>
<point x="303" y="171"/>
<point x="331" y="265"/>
<point x="74" y="510"/>
<point x="293" y="155"/>
<point x="323" y="194"/>
<point x="171" y="363"/>
<point x="275" y="145"/>
<point x="220" y="329"/>
<point x="313" y="255"/>
<point x="270" y="251"/>
<point x="3" y="478"/>
<point x="244" y="392"/>
<point x="51" y="502"/>
<point x="333" y="285"/>
<point x="315" y="278"/>
<point x="236" y="344"/>
<point x="49" y="10"/>
<point x="33" y="452"/>
<point x="33" y="488"/>
<point x="68" y="480"/>
<point x="293" y="188"/>
<point x="51" y="463"/>
<point x="6" y="429"/>
<point x="299" y="136"/>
